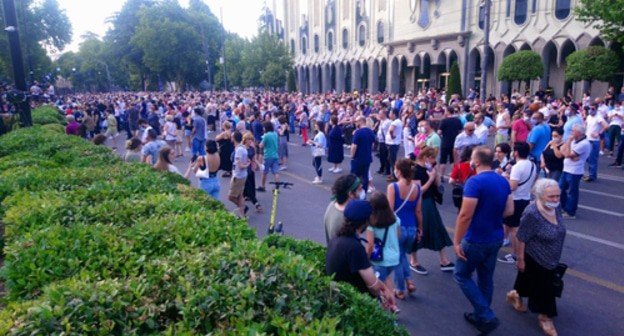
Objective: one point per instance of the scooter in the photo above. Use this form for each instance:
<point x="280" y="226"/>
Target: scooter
<point x="279" y="228"/>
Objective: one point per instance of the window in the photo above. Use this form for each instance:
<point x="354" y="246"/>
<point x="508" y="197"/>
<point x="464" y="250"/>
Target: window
<point x="362" y="36"/>
<point x="304" y="45"/>
<point x="562" y="9"/>
<point x="292" y="47"/>
<point x="316" y="43"/>
<point x="380" y="32"/>
<point x="534" y="7"/>
<point x="345" y="38"/>
<point x="482" y="16"/>
<point x="330" y="41"/>
<point x="521" y="9"/>
<point x="508" y="8"/>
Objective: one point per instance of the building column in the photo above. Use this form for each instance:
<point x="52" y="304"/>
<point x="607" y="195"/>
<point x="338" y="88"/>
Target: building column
<point x="300" y="79"/>
<point x="373" y="77"/>
<point x="326" y="85"/>
<point x="392" y="76"/>
<point x="356" y="76"/>
<point x="410" y="79"/>
<point x="340" y="77"/>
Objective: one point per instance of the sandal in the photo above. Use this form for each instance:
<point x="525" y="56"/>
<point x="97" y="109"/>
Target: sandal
<point x="399" y="295"/>
<point x="515" y="301"/>
<point x="410" y="286"/>
<point x="547" y="326"/>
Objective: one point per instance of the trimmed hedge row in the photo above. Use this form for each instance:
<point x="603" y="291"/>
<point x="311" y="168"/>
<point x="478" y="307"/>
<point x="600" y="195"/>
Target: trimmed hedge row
<point x="97" y="246"/>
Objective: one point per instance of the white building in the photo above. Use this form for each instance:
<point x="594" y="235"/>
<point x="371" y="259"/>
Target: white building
<point x="399" y="45"/>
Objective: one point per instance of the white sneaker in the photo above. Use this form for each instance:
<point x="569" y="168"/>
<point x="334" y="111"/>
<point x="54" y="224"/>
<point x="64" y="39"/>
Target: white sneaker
<point x="337" y="171"/>
<point x="331" y="169"/>
<point x="601" y="153"/>
<point x="317" y="181"/>
<point x="282" y="168"/>
<point x="187" y="150"/>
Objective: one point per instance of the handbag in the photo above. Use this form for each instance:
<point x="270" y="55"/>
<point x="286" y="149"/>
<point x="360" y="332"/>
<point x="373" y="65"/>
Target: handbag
<point x="557" y="285"/>
<point x="318" y="151"/>
<point x="378" y="246"/>
<point x="203" y="173"/>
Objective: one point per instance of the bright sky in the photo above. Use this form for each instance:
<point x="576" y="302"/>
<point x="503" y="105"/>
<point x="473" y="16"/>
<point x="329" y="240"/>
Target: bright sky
<point x="239" y="16"/>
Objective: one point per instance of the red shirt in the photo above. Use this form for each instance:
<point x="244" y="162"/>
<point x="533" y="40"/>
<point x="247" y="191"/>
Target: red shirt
<point x="462" y="170"/>
<point x="522" y="130"/>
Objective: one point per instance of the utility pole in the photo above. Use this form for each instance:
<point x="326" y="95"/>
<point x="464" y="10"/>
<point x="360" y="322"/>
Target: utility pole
<point x="23" y="101"/>
<point x="207" y="56"/>
<point x="223" y="59"/>
<point x="486" y="47"/>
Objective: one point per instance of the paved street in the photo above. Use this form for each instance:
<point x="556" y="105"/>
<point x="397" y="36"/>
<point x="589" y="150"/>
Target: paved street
<point x="593" y="298"/>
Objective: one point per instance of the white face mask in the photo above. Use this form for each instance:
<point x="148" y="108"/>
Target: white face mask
<point x="428" y="165"/>
<point x="551" y="205"/>
<point x="362" y="195"/>
<point x="421" y="130"/>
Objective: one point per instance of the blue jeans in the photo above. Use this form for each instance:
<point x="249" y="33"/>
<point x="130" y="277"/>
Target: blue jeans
<point x="393" y="150"/>
<point x="592" y="160"/>
<point x="569" y="185"/>
<point x="360" y="170"/>
<point x="210" y="186"/>
<point x="402" y="271"/>
<point x="482" y="258"/>
<point x="198" y="147"/>
<point x="383" y="272"/>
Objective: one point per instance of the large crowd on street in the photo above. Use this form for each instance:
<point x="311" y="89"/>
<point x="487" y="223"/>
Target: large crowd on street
<point x="515" y="166"/>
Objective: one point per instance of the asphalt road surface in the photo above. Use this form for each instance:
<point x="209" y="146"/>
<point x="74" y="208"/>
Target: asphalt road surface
<point x="593" y="298"/>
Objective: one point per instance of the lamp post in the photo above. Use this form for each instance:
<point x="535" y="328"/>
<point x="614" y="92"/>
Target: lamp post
<point x="10" y="19"/>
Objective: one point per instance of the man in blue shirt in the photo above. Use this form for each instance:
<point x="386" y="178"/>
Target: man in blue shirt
<point x="538" y="137"/>
<point x="479" y="236"/>
<point x="362" y="151"/>
<point x="198" y="144"/>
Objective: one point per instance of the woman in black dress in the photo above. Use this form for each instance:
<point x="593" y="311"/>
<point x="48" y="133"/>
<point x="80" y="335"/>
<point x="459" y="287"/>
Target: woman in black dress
<point x="335" y="152"/>
<point x="226" y="148"/>
<point x="552" y="159"/>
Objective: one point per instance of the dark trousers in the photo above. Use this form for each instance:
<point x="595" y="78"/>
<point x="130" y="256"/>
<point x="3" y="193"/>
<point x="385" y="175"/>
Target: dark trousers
<point x="393" y="150"/>
<point x="316" y="162"/>
<point x="360" y="170"/>
<point x="383" y="159"/>
<point x="250" y="187"/>
<point x="620" y="153"/>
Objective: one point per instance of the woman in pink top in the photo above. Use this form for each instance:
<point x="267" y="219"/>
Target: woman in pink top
<point x="519" y="128"/>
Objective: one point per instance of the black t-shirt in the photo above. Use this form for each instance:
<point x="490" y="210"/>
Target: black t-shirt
<point x="345" y="258"/>
<point x="552" y="162"/>
<point x="450" y="128"/>
<point x="421" y="175"/>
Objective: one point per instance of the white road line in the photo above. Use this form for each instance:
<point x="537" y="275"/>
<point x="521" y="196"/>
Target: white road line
<point x="601" y="193"/>
<point x="596" y="240"/>
<point x="612" y="213"/>
<point x="610" y="177"/>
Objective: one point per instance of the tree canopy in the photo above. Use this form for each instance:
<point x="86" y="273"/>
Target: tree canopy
<point x="594" y="63"/>
<point x="523" y="66"/>
<point x="607" y="16"/>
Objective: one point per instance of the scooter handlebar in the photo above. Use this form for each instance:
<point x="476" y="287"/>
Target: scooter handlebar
<point x="282" y="184"/>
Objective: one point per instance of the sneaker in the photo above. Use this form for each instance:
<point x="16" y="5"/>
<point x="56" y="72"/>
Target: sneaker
<point x="337" y="171"/>
<point x="601" y="153"/>
<point x="588" y="179"/>
<point x="419" y="269"/>
<point x="483" y="326"/>
<point x="331" y="169"/>
<point x="508" y="259"/>
<point x="616" y="165"/>
<point x="448" y="267"/>
<point x="371" y="190"/>
<point x="187" y="150"/>
<point x="260" y="189"/>
<point x="282" y="168"/>
<point x="317" y="181"/>
<point x="566" y="215"/>
<point x="506" y="242"/>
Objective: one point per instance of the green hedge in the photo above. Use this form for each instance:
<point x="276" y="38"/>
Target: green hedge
<point x="48" y="115"/>
<point x="96" y="246"/>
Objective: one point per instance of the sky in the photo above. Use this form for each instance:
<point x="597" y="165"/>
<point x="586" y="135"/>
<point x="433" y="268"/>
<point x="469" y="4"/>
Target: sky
<point x="239" y="16"/>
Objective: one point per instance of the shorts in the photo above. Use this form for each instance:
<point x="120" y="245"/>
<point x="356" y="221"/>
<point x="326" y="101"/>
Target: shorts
<point x="446" y="155"/>
<point x="237" y="185"/>
<point x="272" y="165"/>
<point x="188" y="132"/>
<point x="514" y="220"/>
<point x="383" y="272"/>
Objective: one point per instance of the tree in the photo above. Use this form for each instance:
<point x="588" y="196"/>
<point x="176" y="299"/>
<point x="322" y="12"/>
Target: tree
<point x="269" y="55"/>
<point x="594" y="63"/>
<point x="454" y="82"/>
<point x="522" y="66"/>
<point x="607" y="16"/>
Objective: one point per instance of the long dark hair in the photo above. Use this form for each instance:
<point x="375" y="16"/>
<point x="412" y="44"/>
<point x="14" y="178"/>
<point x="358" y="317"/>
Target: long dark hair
<point x="382" y="216"/>
<point x="350" y="228"/>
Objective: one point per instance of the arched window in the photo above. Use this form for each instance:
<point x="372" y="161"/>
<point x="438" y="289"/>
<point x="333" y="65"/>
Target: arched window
<point x="534" y="7"/>
<point x="521" y="9"/>
<point x="362" y="36"/>
<point x="292" y="47"/>
<point x="345" y="38"/>
<point x="562" y="9"/>
<point x="508" y="13"/>
<point x="482" y="16"/>
<point x="330" y="41"/>
<point x="380" y="32"/>
<point x="316" y="43"/>
<point x="304" y="45"/>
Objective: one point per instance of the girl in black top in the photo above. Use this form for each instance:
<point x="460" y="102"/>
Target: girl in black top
<point x="552" y="159"/>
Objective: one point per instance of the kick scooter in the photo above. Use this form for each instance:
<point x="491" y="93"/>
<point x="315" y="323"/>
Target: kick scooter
<point x="279" y="228"/>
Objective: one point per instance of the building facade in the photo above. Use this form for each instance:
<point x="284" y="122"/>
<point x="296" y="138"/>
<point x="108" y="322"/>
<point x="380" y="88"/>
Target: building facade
<point x="403" y="45"/>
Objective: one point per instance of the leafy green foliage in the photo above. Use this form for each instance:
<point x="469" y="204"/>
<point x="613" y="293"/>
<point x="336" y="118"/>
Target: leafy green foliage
<point x="594" y="63"/>
<point x="523" y="66"/>
<point x="606" y="15"/>
<point x="47" y="115"/>
<point x="96" y="246"/>
<point x="454" y="82"/>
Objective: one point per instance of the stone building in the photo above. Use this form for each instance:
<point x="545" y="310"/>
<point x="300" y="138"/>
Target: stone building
<point x="402" y="45"/>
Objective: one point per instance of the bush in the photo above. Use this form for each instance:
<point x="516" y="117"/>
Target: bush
<point x="45" y="115"/>
<point x="98" y="246"/>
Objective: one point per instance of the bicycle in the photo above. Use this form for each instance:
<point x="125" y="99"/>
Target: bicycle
<point x="279" y="228"/>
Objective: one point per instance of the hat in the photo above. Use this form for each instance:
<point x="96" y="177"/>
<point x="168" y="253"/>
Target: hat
<point x="358" y="210"/>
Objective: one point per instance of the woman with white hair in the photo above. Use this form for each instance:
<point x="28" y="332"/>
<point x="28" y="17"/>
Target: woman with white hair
<point x="540" y="243"/>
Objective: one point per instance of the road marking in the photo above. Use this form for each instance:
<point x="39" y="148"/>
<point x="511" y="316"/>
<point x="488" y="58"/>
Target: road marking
<point x="574" y="273"/>
<point x="596" y="240"/>
<point x="297" y="177"/>
<point x="601" y="193"/>
<point x="610" y="177"/>
<point x="612" y="213"/>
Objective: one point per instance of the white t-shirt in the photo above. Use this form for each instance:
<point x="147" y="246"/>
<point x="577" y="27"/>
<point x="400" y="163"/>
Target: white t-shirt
<point x="594" y="126"/>
<point x="582" y="149"/>
<point x="482" y="132"/>
<point x="617" y="117"/>
<point x="398" y="131"/>
<point x="500" y="122"/>
<point x="524" y="172"/>
<point x="383" y="130"/>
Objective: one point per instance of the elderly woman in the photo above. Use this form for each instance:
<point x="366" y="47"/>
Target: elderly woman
<point x="540" y="242"/>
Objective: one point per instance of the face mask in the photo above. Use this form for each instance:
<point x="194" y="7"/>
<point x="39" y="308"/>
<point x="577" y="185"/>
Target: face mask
<point x="526" y="118"/>
<point x="551" y="205"/>
<point x="421" y="130"/>
<point x="592" y="112"/>
<point x="362" y="195"/>
<point x="534" y="122"/>
<point x="567" y="113"/>
<point x="556" y="140"/>
<point x="396" y="173"/>
<point x="428" y="165"/>
<point x="473" y="166"/>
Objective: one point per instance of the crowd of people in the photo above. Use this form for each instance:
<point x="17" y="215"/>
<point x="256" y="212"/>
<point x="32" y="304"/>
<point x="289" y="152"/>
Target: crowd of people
<point x="515" y="165"/>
